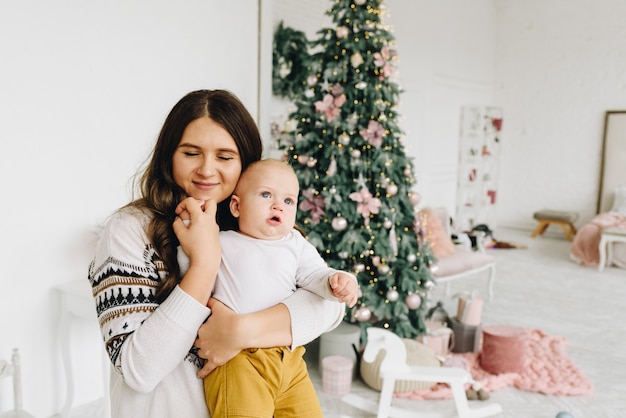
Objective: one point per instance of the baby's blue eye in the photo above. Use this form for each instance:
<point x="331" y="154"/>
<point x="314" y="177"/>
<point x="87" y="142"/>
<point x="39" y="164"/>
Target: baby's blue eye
<point x="266" y="195"/>
<point x="289" y="201"/>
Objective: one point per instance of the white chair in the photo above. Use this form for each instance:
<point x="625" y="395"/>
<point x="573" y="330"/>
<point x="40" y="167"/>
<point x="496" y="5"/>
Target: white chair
<point x="13" y="370"/>
<point x="463" y="262"/>
<point x="394" y="367"/>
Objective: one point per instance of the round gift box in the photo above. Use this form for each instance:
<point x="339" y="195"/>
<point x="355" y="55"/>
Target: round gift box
<point x="336" y="375"/>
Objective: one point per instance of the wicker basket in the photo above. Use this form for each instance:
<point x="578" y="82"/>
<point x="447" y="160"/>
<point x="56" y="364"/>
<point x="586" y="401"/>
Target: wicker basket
<point x="417" y="354"/>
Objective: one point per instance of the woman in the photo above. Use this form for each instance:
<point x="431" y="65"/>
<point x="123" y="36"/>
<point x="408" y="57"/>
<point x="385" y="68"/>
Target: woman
<point x="151" y="318"/>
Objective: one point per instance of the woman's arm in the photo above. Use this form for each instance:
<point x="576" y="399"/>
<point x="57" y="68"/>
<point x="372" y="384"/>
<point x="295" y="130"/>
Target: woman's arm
<point x="299" y="319"/>
<point x="144" y="340"/>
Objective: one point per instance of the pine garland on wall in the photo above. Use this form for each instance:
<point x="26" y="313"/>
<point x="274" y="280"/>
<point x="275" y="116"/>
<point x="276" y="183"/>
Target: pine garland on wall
<point x="358" y="200"/>
<point x="290" y="59"/>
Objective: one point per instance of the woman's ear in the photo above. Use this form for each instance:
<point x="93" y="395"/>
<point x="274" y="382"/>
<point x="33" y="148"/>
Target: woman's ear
<point x="234" y="205"/>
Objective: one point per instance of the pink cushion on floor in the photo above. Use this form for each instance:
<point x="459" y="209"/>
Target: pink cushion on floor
<point x="504" y="349"/>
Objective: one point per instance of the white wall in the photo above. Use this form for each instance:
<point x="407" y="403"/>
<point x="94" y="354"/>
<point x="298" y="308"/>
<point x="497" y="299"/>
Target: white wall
<point x="446" y="61"/>
<point x="84" y="89"/>
<point x="560" y="64"/>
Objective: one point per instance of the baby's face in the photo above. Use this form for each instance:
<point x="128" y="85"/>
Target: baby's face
<point x="266" y="202"/>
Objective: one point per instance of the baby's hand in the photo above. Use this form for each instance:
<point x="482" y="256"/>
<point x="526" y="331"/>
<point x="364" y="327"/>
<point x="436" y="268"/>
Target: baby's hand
<point x="344" y="288"/>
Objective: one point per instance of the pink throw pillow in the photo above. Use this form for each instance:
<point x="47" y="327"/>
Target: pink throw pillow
<point x="434" y="233"/>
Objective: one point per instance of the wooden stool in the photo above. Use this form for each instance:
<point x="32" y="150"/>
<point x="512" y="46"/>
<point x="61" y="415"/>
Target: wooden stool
<point x="565" y="219"/>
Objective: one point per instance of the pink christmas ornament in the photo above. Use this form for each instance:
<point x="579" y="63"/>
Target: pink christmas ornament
<point x="383" y="59"/>
<point x="366" y="203"/>
<point x="314" y="204"/>
<point x="330" y="105"/>
<point x="414" y="198"/>
<point x="373" y="134"/>
<point x="413" y="301"/>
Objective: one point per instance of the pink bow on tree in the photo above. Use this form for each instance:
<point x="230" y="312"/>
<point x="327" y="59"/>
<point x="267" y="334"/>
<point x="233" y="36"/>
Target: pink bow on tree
<point x="312" y="204"/>
<point x="373" y="134"/>
<point x="331" y="103"/>
<point x="383" y="59"/>
<point x="367" y="204"/>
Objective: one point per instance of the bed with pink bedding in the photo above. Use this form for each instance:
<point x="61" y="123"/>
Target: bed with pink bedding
<point x="585" y="247"/>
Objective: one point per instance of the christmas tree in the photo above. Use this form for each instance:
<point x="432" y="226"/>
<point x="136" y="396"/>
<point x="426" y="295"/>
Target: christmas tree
<point x="357" y="203"/>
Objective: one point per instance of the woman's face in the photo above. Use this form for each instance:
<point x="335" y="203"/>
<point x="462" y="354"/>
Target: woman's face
<point x="206" y="163"/>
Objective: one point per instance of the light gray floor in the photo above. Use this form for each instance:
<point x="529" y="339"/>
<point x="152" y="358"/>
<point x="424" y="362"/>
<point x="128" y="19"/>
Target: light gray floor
<point x="540" y="287"/>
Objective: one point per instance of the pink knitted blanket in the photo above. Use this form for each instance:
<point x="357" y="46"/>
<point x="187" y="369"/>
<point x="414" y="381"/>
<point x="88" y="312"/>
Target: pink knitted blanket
<point x="548" y="370"/>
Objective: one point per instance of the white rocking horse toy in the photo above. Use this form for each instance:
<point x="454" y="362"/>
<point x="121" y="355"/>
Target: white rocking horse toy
<point x="394" y="367"/>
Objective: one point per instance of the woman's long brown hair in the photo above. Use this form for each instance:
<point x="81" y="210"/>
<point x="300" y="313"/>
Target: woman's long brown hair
<point x="159" y="192"/>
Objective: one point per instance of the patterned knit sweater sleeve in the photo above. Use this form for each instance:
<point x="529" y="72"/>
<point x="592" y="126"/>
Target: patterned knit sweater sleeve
<point x="144" y="340"/>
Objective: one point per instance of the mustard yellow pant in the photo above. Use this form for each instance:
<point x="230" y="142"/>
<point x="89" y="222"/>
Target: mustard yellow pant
<point x="263" y="383"/>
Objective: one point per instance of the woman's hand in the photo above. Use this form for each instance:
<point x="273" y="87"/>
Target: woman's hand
<point x="219" y="338"/>
<point x="198" y="233"/>
<point x="197" y="230"/>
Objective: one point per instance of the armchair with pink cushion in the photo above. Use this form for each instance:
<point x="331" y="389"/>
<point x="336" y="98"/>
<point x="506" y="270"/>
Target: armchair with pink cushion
<point x="454" y="262"/>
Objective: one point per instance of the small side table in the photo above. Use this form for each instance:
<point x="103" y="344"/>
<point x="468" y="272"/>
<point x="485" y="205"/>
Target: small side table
<point x="609" y="236"/>
<point x="76" y="303"/>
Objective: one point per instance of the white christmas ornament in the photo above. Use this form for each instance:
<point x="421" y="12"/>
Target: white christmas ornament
<point x="332" y="168"/>
<point x="383" y="269"/>
<point x="393" y="295"/>
<point x="356" y="60"/>
<point x="411" y="258"/>
<point x="363" y="314"/>
<point x="311" y="163"/>
<point x="344" y="139"/>
<point x="339" y="223"/>
<point x="387" y="224"/>
<point x="359" y="268"/>
<point x="359" y="2"/>
<point x="356" y="153"/>
<point x="392" y="189"/>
